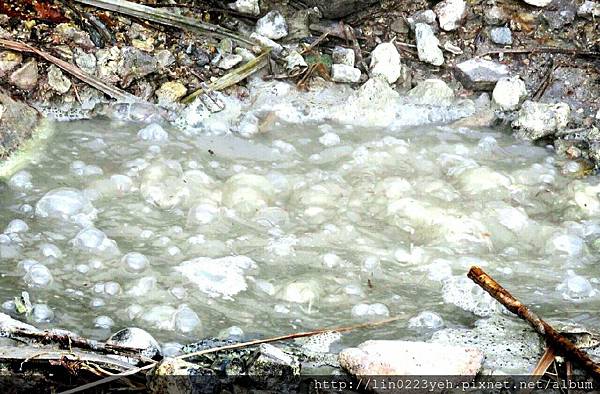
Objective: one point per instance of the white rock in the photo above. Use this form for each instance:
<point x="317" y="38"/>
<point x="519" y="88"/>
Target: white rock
<point x="432" y="92"/>
<point x="16" y="226"/>
<point x="301" y="292"/>
<point x="450" y="13"/>
<point x="589" y="9"/>
<point x="480" y="74"/>
<point x="135" y="262"/>
<point x="66" y="204"/>
<point x="385" y="61"/>
<point x="404" y="358"/>
<point x="272" y="25"/>
<point x="344" y="73"/>
<point x="186" y="320"/>
<point x="38" y="275"/>
<point x="250" y="7"/>
<point x="509" y="93"/>
<point x="267" y="42"/>
<point x="538" y="3"/>
<point x="428" y="48"/>
<point x="537" y="120"/>
<point x="20" y="180"/>
<point x="295" y="60"/>
<point x="229" y="61"/>
<point x="136" y="338"/>
<point x="222" y="277"/>
<point x="341" y="55"/>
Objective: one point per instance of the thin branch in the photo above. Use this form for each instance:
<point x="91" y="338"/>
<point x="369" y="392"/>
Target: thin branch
<point x="553" y="338"/>
<point x="564" y="51"/>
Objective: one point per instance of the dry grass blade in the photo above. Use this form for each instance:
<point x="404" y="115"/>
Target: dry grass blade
<point x="91" y="80"/>
<point x="230" y="347"/>
<point x="231" y="78"/>
<point x="165" y="18"/>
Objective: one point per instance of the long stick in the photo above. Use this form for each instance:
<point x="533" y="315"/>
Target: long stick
<point x="554" y="339"/>
<point x="164" y="17"/>
<point x="91" y="80"/>
<point x="109" y="379"/>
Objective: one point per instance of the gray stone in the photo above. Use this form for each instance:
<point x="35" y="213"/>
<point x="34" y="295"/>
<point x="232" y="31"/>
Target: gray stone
<point x="405" y="358"/>
<point x="345" y="73"/>
<point x="295" y="60"/>
<point x="272" y="364"/>
<point x="538" y="120"/>
<point x="272" y="25"/>
<point x="250" y="7"/>
<point x="136" y="64"/>
<point x="426" y="16"/>
<point x="385" y="61"/>
<point x="225" y="46"/>
<point x="26" y="76"/>
<point x="169" y="93"/>
<point x="428" y="48"/>
<point x="136" y="338"/>
<point x="509" y="93"/>
<point x="432" y="92"/>
<point x="8" y="324"/>
<point x="480" y="74"/>
<point x="246" y="54"/>
<point x="165" y="58"/>
<point x="341" y="55"/>
<point x="589" y="9"/>
<point x="339" y="8"/>
<point x="229" y="61"/>
<point x="57" y="80"/>
<point x="17" y="122"/>
<point x="560" y="18"/>
<point x="67" y="33"/>
<point x="450" y="13"/>
<point x="8" y="61"/>
<point x="501" y="35"/>
<point x="495" y="16"/>
<point x="177" y="376"/>
<point x="85" y="61"/>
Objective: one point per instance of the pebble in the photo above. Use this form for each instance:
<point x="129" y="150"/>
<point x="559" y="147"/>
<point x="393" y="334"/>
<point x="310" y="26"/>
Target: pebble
<point x="153" y="133"/>
<point x="428" y="48"/>
<point x="432" y="92"/>
<point x="16" y="226"/>
<point x="42" y="313"/>
<point x="57" y="80"/>
<point x="272" y="26"/>
<point x="8" y="61"/>
<point x="295" y="60"/>
<point x="250" y="7"/>
<point x="425" y="16"/>
<point x="450" y="13"/>
<point x="509" y="93"/>
<point x="588" y="9"/>
<point x="170" y="92"/>
<point x="538" y="3"/>
<point x="38" y="275"/>
<point x="104" y="322"/>
<point x="25" y="77"/>
<point x="227" y="62"/>
<point x="480" y="74"/>
<point x="186" y="320"/>
<point x="135" y="262"/>
<point x="66" y="204"/>
<point x="345" y="74"/>
<point x="267" y="42"/>
<point x="21" y="180"/>
<point x="342" y="55"/>
<point x="385" y="61"/>
<point x="501" y="35"/>
<point x="136" y="338"/>
<point x="85" y="61"/>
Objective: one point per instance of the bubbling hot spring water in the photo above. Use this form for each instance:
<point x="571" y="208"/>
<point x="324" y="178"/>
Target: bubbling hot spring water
<point x="311" y="214"/>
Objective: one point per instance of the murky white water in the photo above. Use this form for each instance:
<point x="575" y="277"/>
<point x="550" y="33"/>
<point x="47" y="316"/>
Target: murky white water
<point x="300" y="227"/>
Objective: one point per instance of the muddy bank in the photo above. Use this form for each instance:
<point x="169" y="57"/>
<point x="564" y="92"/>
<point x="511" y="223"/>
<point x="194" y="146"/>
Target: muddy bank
<point x="544" y="52"/>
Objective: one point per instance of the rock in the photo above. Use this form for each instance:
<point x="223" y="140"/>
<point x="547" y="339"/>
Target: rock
<point x="67" y="33"/>
<point x="538" y="3"/>
<point x="345" y="73"/>
<point x="65" y="204"/>
<point x="339" y="8"/>
<point x="7" y="323"/>
<point x="170" y="92"/>
<point x="509" y="93"/>
<point x="538" y="120"/>
<point x="272" y="364"/>
<point x="57" y="80"/>
<point x="341" y="55"/>
<point x="480" y="74"/>
<point x="250" y="7"/>
<point x="267" y="42"/>
<point x="432" y="92"/>
<point x="227" y="62"/>
<point x="483" y="118"/>
<point x="495" y="16"/>
<point x="164" y="57"/>
<point x="501" y="35"/>
<point x="225" y="46"/>
<point x="589" y="9"/>
<point x="272" y="26"/>
<point x="17" y="122"/>
<point x="136" y="338"/>
<point x="385" y="61"/>
<point x="404" y="358"/>
<point x="295" y="60"/>
<point x="450" y="13"/>
<point x="246" y="54"/>
<point x="425" y="16"/>
<point x="85" y="61"/>
<point x="177" y="376"/>
<point x="26" y="76"/>
<point x="135" y="64"/>
<point x="428" y="48"/>
<point x="8" y="61"/>
<point x="560" y="18"/>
